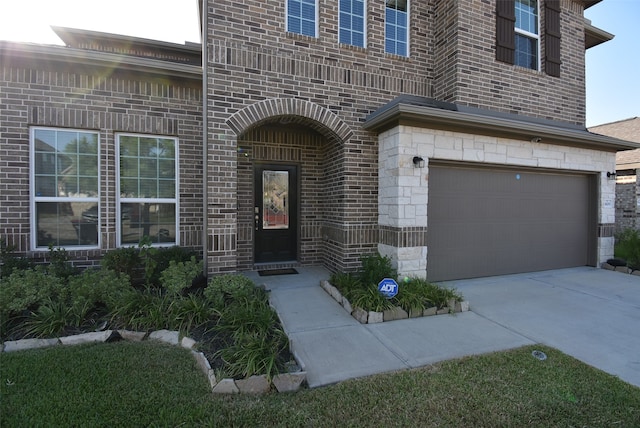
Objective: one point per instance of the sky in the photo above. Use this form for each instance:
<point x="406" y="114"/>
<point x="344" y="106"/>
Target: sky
<point x="612" y="69"/>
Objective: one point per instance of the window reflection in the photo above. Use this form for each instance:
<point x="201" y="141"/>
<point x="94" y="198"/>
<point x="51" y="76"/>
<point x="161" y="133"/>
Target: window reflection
<point x="275" y="204"/>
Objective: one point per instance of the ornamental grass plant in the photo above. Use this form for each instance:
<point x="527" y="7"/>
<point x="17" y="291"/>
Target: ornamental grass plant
<point x="414" y="294"/>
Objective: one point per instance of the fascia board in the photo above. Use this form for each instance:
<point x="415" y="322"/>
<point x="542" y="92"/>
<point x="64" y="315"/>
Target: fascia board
<point x="496" y="126"/>
<point x="98" y="59"/>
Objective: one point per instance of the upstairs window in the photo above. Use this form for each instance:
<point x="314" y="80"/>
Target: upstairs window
<point x="518" y="34"/>
<point x="527" y="37"/>
<point x="396" y="39"/>
<point x="147" y="204"/>
<point x="64" y="188"/>
<point x="352" y="28"/>
<point x="302" y="17"/>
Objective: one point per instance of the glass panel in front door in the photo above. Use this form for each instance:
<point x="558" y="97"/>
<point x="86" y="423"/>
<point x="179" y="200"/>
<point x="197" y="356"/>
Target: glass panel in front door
<point x="275" y="199"/>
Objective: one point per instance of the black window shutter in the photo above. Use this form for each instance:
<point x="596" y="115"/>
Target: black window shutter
<point x="552" y="37"/>
<point x="505" y="30"/>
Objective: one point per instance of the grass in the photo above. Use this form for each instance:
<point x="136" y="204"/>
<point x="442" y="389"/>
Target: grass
<point x="149" y="384"/>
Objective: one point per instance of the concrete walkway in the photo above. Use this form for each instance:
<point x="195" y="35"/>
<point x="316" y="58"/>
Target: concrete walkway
<point x="590" y="314"/>
<point x="333" y="346"/>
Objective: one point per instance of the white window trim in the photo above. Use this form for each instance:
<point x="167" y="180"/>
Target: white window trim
<point x="364" y="32"/>
<point x="533" y="36"/>
<point x="316" y="20"/>
<point x="175" y="201"/>
<point x="33" y="199"/>
<point x="408" y="41"/>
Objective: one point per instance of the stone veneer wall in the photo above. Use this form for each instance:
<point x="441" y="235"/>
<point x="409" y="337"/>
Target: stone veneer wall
<point x="403" y="195"/>
<point x="53" y="95"/>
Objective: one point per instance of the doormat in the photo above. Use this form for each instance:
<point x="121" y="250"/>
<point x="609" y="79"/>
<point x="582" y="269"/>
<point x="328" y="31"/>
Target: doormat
<point x="271" y="272"/>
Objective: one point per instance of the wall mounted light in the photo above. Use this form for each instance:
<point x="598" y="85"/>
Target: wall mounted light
<point x="418" y="162"/>
<point x="611" y="175"/>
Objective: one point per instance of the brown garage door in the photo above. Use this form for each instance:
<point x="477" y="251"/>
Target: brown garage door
<point x="495" y="221"/>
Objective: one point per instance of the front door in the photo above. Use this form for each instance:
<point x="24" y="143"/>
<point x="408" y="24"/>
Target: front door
<point x="275" y="213"/>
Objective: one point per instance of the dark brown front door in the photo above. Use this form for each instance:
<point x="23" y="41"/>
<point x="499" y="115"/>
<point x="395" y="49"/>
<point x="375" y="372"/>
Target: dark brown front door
<point x="275" y="213"/>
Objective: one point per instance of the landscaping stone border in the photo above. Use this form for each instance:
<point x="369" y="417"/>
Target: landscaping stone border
<point x="284" y="382"/>
<point x="622" y="269"/>
<point x="397" y="313"/>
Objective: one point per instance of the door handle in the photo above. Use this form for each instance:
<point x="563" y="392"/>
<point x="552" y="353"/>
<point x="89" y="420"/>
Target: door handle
<point x="256" y="210"/>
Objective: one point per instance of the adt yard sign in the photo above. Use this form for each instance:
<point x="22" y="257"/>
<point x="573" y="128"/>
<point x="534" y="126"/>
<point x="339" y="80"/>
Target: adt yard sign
<point x="388" y="287"/>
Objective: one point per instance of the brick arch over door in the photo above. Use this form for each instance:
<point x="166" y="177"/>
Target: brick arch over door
<point x="291" y="110"/>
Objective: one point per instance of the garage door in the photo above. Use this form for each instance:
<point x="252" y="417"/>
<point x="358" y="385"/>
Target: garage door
<point x="495" y="221"/>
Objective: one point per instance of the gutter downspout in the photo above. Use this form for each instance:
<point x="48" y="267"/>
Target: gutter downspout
<point x="205" y="142"/>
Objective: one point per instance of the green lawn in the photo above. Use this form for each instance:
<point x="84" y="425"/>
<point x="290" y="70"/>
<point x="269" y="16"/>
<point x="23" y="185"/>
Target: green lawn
<point x="150" y="384"/>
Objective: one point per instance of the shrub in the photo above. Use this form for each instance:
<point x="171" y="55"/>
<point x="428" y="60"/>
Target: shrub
<point x="156" y="260"/>
<point x="145" y="264"/>
<point x="59" y="264"/>
<point x="225" y="288"/>
<point x="10" y="262"/>
<point x="165" y="255"/>
<point x="97" y="287"/>
<point x="375" y="268"/>
<point x="179" y="276"/>
<point x="627" y="247"/>
<point x="123" y="261"/>
<point x="27" y="289"/>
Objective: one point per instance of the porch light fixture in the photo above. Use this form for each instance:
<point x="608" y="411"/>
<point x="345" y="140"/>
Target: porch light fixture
<point x="611" y="175"/>
<point x="418" y="162"/>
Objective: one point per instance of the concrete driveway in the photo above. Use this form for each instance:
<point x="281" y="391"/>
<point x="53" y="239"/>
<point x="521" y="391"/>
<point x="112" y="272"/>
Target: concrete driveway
<point x="590" y="314"/>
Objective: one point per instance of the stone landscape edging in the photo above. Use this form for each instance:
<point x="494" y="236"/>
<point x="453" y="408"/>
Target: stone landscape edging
<point x="621" y="269"/>
<point x="396" y="313"/>
<point x="283" y="382"/>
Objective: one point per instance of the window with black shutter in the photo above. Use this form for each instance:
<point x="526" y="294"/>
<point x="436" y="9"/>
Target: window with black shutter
<point x="552" y="37"/>
<point x="505" y="31"/>
<point x="518" y="34"/>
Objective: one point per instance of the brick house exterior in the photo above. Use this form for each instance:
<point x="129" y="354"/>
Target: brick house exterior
<point x="358" y="106"/>
<point x="627" y="171"/>
<point x="83" y="87"/>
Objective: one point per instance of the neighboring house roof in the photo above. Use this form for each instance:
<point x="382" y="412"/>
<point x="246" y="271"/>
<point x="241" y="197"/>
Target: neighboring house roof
<point x="629" y="130"/>
<point x="423" y="111"/>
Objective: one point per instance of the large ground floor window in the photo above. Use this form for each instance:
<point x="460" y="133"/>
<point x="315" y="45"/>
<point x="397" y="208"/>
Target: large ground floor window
<point x="147" y="205"/>
<point x="64" y="188"/>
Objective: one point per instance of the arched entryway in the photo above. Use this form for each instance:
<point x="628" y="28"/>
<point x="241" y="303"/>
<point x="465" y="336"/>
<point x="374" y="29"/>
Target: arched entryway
<point x="290" y="160"/>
